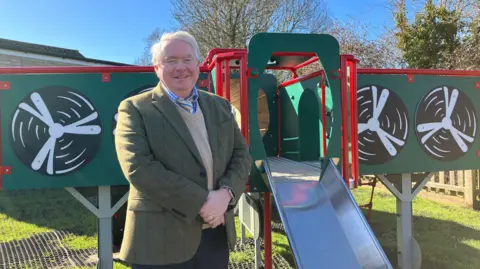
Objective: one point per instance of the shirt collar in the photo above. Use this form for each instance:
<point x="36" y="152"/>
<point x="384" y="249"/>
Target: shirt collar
<point x="188" y="103"/>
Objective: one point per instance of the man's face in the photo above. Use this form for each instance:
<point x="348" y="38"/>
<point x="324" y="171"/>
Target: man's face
<point x="178" y="68"/>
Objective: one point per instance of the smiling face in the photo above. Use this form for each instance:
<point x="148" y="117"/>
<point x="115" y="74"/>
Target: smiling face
<point x="178" y="68"/>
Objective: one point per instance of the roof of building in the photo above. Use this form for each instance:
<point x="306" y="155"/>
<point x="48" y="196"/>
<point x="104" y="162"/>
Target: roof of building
<point x="51" y="51"/>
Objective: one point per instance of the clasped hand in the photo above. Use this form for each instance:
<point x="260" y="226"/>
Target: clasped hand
<point x="213" y="211"/>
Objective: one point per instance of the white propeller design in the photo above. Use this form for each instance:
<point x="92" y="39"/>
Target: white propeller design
<point x="373" y="123"/>
<point x="446" y="123"/>
<point x="56" y="130"/>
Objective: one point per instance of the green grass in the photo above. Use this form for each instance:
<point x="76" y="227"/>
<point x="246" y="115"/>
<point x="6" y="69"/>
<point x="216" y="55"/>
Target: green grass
<point x="449" y="236"/>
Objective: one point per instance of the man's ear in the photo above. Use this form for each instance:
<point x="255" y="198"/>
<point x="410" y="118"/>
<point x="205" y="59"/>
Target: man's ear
<point x="155" y="67"/>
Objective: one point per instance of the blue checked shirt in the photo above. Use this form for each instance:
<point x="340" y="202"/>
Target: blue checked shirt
<point x="189" y="103"/>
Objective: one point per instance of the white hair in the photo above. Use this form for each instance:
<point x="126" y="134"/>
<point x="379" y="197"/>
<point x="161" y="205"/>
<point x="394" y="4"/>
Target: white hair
<point x="157" y="48"/>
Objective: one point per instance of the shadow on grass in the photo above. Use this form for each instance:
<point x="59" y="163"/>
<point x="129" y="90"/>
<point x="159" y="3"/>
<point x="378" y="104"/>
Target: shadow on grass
<point x="444" y="244"/>
<point x="53" y="209"/>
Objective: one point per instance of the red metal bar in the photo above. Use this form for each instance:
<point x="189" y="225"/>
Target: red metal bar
<point x="294" y="74"/>
<point x="244" y="97"/>
<point x="302" y="78"/>
<point x="211" y="54"/>
<point x="291" y="69"/>
<point x="464" y="73"/>
<point x="76" y="69"/>
<point x="268" y="230"/>
<point x="354" y="121"/>
<point x="312" y="54"/>
<point x="344" y="116"/>
<point x="324" y="118"/>
<point x="307" y="62"/>
<point x="227" y="80"/>
<point x="226" y="56"/>
<point x="355" y="124"/>
<point x="81" y="69"/>
<point x="219" y="77"/>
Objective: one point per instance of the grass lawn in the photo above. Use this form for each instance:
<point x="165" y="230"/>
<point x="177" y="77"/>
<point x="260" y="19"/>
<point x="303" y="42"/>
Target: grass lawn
<point x="449" y="236"/>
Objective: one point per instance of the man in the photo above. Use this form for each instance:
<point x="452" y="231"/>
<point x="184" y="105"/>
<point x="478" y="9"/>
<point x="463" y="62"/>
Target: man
<point x="187" y="163"/>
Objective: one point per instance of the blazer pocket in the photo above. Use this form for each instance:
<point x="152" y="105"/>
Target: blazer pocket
<point x="144" y="205"/>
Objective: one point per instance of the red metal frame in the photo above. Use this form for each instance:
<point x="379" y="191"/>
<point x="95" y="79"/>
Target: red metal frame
<point x="351" y="63"/>
<point x="462" y="73"/>
<point x="349" y="131"/>
<point x="217" y="56"/>
<point x="221" y="62"/>
<point x="344" y="117"/>
<point x="302" y="78"/>
<point x="82" y="69"/>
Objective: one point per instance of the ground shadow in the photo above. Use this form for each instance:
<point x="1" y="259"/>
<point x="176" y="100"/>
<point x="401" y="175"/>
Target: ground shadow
<point x="54" y="209"/>
<point x="444" y="244"/>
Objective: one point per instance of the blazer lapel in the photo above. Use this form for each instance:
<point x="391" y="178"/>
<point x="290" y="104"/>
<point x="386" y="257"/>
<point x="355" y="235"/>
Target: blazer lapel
<point x="208" y="111"/>
<point x="162" y="102"/>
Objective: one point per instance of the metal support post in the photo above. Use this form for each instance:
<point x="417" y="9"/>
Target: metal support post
<point x="105" y="248"/>
<point x="409" y="253"/>
<point x="104" y="213"/>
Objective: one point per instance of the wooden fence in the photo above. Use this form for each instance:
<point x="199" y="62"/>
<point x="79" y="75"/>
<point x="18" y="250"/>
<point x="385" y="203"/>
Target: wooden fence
<point x="463" y="183"/>
<point x="460" y="185"/>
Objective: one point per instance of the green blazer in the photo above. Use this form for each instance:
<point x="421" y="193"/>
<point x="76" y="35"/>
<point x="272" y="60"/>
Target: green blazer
<point x="168" y="183"/>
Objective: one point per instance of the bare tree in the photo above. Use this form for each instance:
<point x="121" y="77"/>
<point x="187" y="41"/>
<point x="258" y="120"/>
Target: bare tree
<point x="378" y="52"/>
<point x="231" y="23"/>
<point x="145" y="58"/>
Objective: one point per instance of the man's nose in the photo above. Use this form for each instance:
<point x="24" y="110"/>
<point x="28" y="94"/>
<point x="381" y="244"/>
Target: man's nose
<point x="180" y="66"/>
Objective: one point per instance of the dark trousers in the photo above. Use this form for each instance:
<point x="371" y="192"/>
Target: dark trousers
<point x="213" y="253"/>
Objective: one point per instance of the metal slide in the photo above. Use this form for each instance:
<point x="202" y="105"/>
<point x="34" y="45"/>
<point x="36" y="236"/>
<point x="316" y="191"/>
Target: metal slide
<point x="323" y="223"/>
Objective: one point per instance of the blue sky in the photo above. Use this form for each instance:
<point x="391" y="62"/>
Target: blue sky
<point x="115" y="30"/>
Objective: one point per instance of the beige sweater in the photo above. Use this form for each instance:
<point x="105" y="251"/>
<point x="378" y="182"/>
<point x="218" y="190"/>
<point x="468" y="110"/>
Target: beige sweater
<point x="196" y="125"/>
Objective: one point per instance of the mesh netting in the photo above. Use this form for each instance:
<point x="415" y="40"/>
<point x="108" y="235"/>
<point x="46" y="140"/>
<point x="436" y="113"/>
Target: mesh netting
<point x="51" y="229"/>
<point x="45" y="250"/>
<point x="278" y="261"/>
<point x="46" y="229"/>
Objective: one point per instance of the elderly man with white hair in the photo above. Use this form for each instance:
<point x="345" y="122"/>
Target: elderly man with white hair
<point x="187" y="164"/>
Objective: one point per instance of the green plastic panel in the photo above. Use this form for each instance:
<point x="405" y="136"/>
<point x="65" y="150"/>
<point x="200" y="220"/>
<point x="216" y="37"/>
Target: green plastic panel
<point x="425" y="125"/>
<point x="428" y="125"/>
<point x="270" y="138"/>
<point x="80" y="129"/>
<point x="260" y="50"/>
<point x="301" y="119"/>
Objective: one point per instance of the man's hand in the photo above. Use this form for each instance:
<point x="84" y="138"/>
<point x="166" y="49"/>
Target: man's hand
<point x="215" y="206"/>
<point x="217" y="221"/>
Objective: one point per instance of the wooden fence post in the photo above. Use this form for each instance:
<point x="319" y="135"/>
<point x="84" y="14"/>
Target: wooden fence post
<point x="471" y="189"/>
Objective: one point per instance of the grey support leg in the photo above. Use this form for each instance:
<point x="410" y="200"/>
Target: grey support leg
<point x="409" y="254"/>
<point x="249" y="221"/>
<point x="104" y="213"/>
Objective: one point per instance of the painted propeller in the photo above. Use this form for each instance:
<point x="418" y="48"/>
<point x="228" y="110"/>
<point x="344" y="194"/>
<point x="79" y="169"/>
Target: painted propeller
<point x="382" y="124"/>
<point x="55" y="130"/>
<point x="446" y="123"/>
